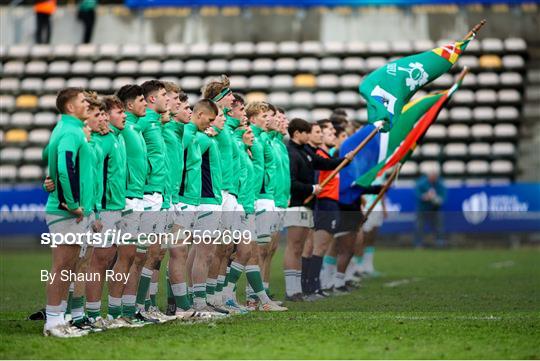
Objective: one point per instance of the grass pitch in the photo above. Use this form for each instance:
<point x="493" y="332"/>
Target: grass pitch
<point x="481" y="304"/>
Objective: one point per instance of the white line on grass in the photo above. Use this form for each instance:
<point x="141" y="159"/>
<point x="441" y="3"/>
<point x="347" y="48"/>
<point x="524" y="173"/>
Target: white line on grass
<point x="404" y="281"/>
<point x="503" y="264"/>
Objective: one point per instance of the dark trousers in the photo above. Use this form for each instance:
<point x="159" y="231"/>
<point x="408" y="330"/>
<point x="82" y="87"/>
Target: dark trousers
<point x="88" y="18"/>
<point x="43" y="28"/>
<point x="434" y="222"/>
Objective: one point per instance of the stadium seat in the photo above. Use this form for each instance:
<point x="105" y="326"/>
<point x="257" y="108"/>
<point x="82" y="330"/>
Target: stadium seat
<point x="458" y="131"/>
<point x="64" y="51"/>
<point x="429" y="166"/>
<point x="31" y="85"/>
<point x="488" y="79"/>
<point x="263" y="65"/>
<point x="287" y="48"/>
<point x="8" y="173"/>
<point x="100" y="84"/>
<point x="172" y="66"/>
<point x="122" y="67"/>
<point x="13" y="67"/>
<point x="217" y="66"/>
<point x="150" y="67"/>
<point x="486" y="96"/>
<point x="505" y="113"/>
<point x="470" y="81"/>
<point x="481" y="131"/>
<point x="490" y="62"/>
<point x="194" y="66"/>
<point x="19" y="51"/>
<point x="30" y="172"/>
<point x="302" y="99"/>
<point x="444" y="81"/>
<point x="299" y="113"/>
<point x="240" y="66"/>
<point x="356" y="47"/>
<point x="334" y="48"/>
<point x="492" y="45"/>
<point x="375" y="62"/>
<point x="282" y="82"/>
<point x="463" y="96"/>
<point x="199" y="50"/>
<point x="131" y="51"/>
<point x="191" y="83"/>
<point x="4" y="119"/>
<point x="436" y="131"/>
<point x="379" y="47"/>
<point x="327" y="81"/>
<point x="259" y="82"/>
<point x="220" y="50"/>
<point x="361" y="115"/>
<point x="320" y="113"/>
<point x="45" y="119"/>
<point x="7" y="102"/>
<point x="330" y="64"/>
<point x="39" y="136"/>
<point x="509" y="96"/>
<point x="348" y="98"/>
<point x="354" y="65"/>
<point x="33" y="155"/>
<point x="153" y="51"/>
<point x="515" y="45"/>
<point x="285" y="65"/>
<point x="239" y="82"/>
<point x="423" y="45"/>
<point x="77" y="82"/>
<point x="176" y="50"/>
<point x="533" y="76"/>
<point x="171" y="79"/>
<point x="305" y="81"/>
<point x="244" y="48"/>
<point x="35" y="67"/>
<point x="325" y="98"/>
<point x="479" y="149"/>
<point x="455" y="150"/>
<point x="505" y="130"/>
<point x="401" y="47"/>
<point x="59" y="67"/>
<point x="82" y="67"/>
<point x="11" y="155"/>
<point x="16" y="136"/>
<point x="9" y="85"/>
<point x="310" y="65"/>
<point x="532" y="94"/>
<point x="26" y="101"/>
<point x="513" y="62"/>
<point x="267" y="48"/>
<point x="503" y="149"/>
<point x="47" y="101"/>
<point x="311" y="48"/>
<point x="409" y="169"/>
<point x="109" y="51"/>
<point x="501" y="167"/>
<point x="482" y="114"/>
<point x="86" y="51"/>
<point x="256" y="97"/>
<point x="21" y="119"/>
<point x="430" y="150"/>
<point x="453" y="167"/>
<point x="350" y="81"/>
<point x="477" y="167"/>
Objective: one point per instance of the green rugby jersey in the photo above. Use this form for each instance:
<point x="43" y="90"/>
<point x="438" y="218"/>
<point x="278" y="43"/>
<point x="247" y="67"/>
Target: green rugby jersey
<point x="264" y="164"/>
<point x="156" y="176"/>
<point x="112" y="174"/>
<point x="211" y="178"/>
<point x="282" y="190"/>
<point x="173" y="161"/>
<point x="190" y="183"/>
<point x="136" y="158"/>
<point x="234" y="169"/>
<point x="70" y="160"/>
<point x="246" y="187"/>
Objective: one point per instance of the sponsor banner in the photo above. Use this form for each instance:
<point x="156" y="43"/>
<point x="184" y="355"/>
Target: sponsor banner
<point x="486" y="209"/>
<point x="301" y="3"/>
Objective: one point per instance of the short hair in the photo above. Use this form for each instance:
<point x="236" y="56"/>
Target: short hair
<point x="112" y="101"/>
<point x="338" y="120"/>
<point x="280" y="110"/>
<point x="272" y="108"/>
<point x="65" y="96"/>
<point x="298" y="125"/>
<point x="149" y="87"/>
<point x="206" y="104"/>
<point x="214" y="87"/>
<point x="340" y="111"/>
<point x="183" y="97"/>
<point x="171" y="87"/>
<point x="129" y="92"/>
<point x="238" y="99"/>
<point x="324" y="123"/>
<point x="256" y="108"/>
<point x="93" y="100"/>
<point x="339" y="129"/>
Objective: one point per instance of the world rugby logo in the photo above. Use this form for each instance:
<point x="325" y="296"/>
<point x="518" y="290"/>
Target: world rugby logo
<point x="475" y="208"/>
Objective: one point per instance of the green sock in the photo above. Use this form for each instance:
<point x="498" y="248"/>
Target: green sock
<point x="70" y="299"/>
<point x="199" y="295"/>
<point x="253" y="274"/>
<point x="114" y="307"/>
<point x="144" y="285"/>
<point x="210" y="286"/>
<point x="93" y="309"/>
<point x="128" y="306"/>
<point x="77" y="309"/>
<point x="181" y="296"/>
<point x="220" y="282"/>
<point x="226" y="277"/>
<point x="153" y="293"/>
<point x="147" y="304"/>
<point x="170" y="293"/>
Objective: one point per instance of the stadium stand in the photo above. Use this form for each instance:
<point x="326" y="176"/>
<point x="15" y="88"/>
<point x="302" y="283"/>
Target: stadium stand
<point x="477" y="136"/>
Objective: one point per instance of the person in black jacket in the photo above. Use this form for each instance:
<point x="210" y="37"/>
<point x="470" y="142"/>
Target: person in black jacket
<point x="299" y="216"/>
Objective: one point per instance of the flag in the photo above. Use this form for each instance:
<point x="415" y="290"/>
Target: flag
<point x="387" y="89"/>
<point x="414" y="122"/>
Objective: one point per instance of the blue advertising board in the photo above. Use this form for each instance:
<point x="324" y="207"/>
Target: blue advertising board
<point x="486" y="209"/>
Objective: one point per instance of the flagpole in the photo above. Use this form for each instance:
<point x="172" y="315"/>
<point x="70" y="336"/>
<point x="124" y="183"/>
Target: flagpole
<point x="475" y="29"/>
<point x="346" y="161"/>
<point x="383" y="191"/>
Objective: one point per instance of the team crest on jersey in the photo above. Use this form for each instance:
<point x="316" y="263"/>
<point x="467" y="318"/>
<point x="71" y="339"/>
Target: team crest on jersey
<point x="417" y="75"/>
